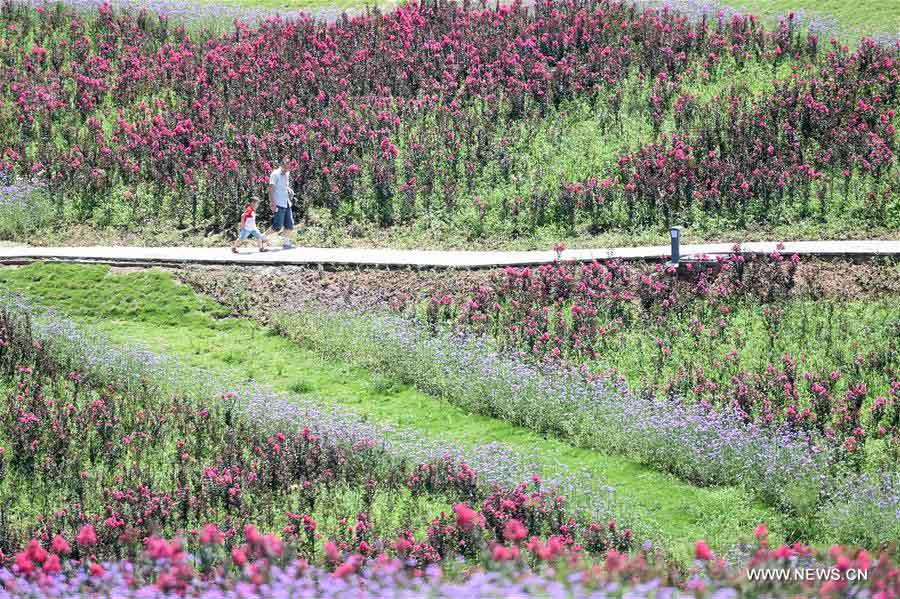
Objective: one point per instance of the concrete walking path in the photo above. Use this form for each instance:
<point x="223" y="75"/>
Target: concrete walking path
<point x="386" y="258"/>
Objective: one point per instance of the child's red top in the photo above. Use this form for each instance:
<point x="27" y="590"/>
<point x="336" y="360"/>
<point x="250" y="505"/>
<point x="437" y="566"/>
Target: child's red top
<point x="249" y="214"/>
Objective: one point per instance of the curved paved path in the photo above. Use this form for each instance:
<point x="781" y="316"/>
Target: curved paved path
<point x="383" y="258"/>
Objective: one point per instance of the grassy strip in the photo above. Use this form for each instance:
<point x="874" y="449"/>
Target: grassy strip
<point x="152" y="308"/>
<point x="853" y="20"/>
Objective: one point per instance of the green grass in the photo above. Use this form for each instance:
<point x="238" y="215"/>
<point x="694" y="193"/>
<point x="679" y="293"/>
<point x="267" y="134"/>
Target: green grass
<point x="150" y="307"/>
<point x="854" y="19"/>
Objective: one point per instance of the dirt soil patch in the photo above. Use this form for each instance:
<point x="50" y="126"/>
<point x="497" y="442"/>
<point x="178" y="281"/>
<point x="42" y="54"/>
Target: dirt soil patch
<point x="258" y="291"/>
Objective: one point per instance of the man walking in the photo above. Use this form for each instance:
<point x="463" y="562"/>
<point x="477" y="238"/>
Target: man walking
<point x="280" y="201"/>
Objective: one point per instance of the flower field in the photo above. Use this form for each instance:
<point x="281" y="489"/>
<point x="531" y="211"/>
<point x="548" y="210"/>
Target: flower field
<point x="119" y="447"/>
<point x="811" y="370"/>
<point x="153" y="310"/>
<point x="500" y="123"/>
<point x="248" y="492"/>
<point x="714" y="376"/>
<point x="600" y="429"/>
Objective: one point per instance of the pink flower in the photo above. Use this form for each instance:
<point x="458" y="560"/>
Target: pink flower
<point x="158" y="549"/>
<point x="60" y="545"/>
<point x="761" y="531"/>
<point x="615" y="560"/>
<point x="347" y="567"/>
<point x="272" y="546"/>
<point x="52" y="565"/>
<point x="784" y="552"/>
<point x="514" y="531"/>
<point x="37" y="553"/>
<point x="86" y="536"/>
<point x="24" y="563"/>
<point x="238" y="556"/>
<point x="251" y="534"/>
<point x="702" y="551"/>
<point x="500" y="553"/>
<point x="210" y="535"/>
<point x="465" y="516"/>
<point x="331" y="552"/>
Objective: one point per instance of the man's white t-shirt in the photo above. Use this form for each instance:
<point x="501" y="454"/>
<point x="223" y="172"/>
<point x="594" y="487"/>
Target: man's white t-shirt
<point x="281" y="180"/>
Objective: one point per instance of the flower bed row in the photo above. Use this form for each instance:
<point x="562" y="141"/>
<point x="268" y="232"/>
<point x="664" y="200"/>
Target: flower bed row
<point x="704" y="447"/>
<point x="262" y="567"/>
<point x="733" y="333"/>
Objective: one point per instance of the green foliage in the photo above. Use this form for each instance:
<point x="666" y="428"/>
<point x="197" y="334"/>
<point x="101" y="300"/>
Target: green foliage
<point x="29" y="220"/>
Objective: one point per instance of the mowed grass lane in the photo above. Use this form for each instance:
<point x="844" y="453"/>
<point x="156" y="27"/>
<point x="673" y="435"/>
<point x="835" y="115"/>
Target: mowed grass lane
<point x="853" y="20"/>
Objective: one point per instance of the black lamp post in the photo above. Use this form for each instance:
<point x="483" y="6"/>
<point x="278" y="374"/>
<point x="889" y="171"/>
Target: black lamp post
<point x="676" y="245"/>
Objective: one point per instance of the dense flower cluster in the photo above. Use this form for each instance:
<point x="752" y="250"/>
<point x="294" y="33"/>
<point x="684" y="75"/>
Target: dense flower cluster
<point x="804" y="143"/>
<point x="419" y="112"/>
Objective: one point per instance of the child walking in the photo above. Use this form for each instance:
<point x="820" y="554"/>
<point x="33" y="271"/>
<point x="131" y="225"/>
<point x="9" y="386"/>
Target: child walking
<point x="248" y="228"/>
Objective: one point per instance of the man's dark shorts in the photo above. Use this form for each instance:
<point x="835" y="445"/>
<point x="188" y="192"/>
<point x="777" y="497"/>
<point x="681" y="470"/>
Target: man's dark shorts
<point x="283" y="219"/>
